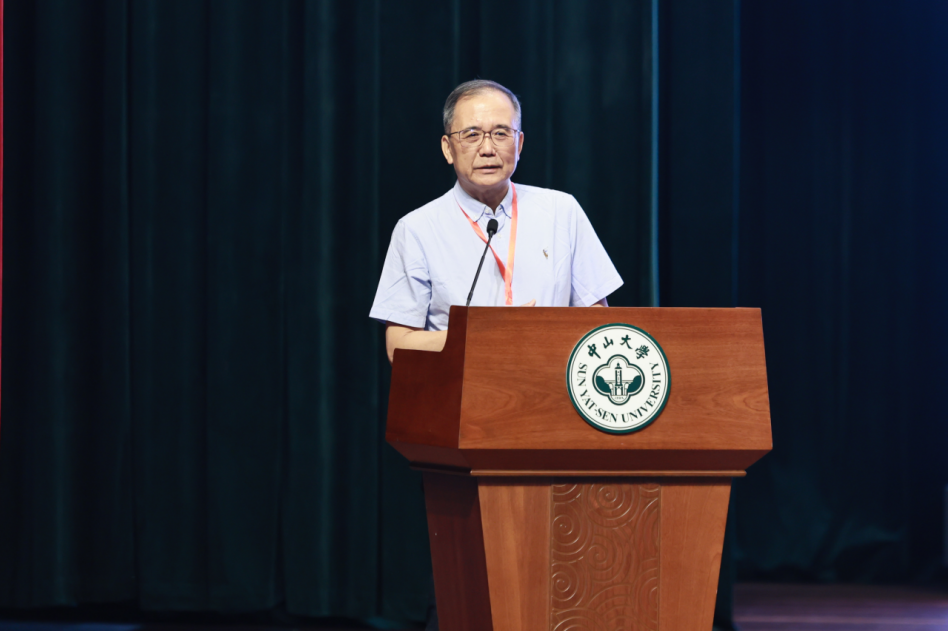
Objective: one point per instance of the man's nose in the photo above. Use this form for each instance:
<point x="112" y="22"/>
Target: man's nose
<point x="487" y="147"/>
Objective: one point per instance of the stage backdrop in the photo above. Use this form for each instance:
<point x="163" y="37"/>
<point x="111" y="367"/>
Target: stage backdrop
<point x="199" y="195"/>
<point x="843" y="226"/>
<point x="199" y="199"/>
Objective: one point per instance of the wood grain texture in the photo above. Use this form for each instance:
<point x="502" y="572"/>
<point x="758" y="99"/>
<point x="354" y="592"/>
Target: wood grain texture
<point x="624" y="460"/>
<point x="527" y="473"/>
<point x="457" y="552"/>
<point x="495" y="401"/>
<point x="694" y="514"/>
<point x="496" y="398"/>
<point x="606" y="537"/>
<point x="516" y="518"/>
<point x="531" y="554"/>
<point x="718" y="395"/>
<point x="424" y="401"/>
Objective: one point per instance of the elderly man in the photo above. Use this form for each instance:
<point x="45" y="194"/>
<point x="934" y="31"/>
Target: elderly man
<point x="435" y="249"/>
<point x="545" y="252"/>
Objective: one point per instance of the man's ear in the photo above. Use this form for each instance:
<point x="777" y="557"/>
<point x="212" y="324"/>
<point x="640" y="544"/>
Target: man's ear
<point x="446" y="149"/>
<point x="520" y="148"/>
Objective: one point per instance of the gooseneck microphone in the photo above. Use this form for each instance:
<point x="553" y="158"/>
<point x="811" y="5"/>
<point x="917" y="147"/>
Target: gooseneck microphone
<point x="491" y="231"/>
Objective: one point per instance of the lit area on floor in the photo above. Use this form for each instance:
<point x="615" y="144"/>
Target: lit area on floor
<point x="776" y="607"/>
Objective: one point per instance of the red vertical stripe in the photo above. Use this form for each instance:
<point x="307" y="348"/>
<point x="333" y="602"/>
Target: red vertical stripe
<point x="1" y="170"/>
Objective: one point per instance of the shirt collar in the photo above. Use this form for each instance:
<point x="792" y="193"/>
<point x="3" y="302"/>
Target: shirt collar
<point x="475" y="209"/>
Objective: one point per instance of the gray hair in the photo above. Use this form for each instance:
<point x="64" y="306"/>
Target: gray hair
<point x="470" y="88"/>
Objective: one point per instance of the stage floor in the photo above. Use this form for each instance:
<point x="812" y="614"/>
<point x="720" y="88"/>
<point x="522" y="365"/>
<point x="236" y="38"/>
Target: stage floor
<point x="839" y="608"/>
<point x="757" y="608"/>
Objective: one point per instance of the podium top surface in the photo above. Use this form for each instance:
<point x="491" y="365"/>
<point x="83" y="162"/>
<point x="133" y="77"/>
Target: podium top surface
<point x="496" y="400"/>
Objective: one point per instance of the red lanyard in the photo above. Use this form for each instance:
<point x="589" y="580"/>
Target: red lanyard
<point x="505" y="271"/>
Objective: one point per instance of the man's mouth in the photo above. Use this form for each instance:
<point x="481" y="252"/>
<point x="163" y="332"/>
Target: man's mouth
<point x="491" y="166"/>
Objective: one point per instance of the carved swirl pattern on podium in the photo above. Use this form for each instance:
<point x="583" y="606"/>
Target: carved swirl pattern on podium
<point x="604" y="554"/>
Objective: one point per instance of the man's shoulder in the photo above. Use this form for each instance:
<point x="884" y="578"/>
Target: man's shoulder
<point x="546" y="196"/>
<point x="424" y="215"/>
<point x="549" y="203"/>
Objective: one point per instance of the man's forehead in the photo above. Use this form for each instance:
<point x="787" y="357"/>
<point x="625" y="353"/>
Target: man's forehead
<point x="489" y="102"/>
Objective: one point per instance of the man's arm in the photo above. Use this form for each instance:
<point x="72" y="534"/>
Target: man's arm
<point x="398" y="336"/>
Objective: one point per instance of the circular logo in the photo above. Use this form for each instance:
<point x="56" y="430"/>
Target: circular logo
<point x="618" y="378"/>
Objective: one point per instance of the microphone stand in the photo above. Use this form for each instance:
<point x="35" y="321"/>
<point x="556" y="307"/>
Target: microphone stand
<point x="491" y="231"/>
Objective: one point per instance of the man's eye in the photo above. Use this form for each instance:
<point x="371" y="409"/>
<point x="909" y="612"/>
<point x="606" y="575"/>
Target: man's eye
<point x="470" y="133"/>
<point x="501" y="133"/>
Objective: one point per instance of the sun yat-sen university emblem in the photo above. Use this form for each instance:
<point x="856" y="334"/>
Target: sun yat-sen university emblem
<point x="618" y="378"/>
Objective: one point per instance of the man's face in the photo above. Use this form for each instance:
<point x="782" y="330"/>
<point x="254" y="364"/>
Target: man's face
<point x="486" y="167"/>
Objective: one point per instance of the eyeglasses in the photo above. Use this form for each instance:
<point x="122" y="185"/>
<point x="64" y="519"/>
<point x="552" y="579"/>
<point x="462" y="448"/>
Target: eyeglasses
<point x="501" y="137"/>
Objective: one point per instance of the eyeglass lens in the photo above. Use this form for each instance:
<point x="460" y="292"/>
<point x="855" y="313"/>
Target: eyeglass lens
<point x="476" y="136"/>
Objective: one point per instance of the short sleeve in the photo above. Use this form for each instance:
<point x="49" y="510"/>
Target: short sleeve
<point x="593" y="276"/>
<point x="404" y="291"/>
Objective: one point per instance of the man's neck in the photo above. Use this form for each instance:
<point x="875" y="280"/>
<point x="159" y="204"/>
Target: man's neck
<point x="490" y="198"/>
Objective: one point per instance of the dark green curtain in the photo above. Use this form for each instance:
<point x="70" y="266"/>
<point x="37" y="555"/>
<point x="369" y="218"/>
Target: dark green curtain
<point x="699" y="115"/>
<point x="198" y="196"/>
<point x="843" y="227"/>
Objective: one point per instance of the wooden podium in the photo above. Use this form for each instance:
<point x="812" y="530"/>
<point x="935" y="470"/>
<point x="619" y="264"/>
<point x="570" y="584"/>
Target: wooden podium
<point x="538" y="521"/>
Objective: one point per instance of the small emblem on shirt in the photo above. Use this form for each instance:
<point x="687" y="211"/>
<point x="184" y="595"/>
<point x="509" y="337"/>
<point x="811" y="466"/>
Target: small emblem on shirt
<point x="617" y="377"/>
<point x="545" y="255"/>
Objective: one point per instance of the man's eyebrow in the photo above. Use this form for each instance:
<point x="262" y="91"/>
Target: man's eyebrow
<point x="479" y="128"/>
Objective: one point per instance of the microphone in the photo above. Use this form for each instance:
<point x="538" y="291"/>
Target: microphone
<point x="491" y="231"/>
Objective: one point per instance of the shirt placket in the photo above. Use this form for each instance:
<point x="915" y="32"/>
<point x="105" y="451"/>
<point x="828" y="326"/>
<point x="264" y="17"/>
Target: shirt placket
<point x="500" y="216"/>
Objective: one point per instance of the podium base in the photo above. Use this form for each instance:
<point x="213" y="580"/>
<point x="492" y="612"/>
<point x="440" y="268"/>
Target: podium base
<point x="544" y="554"/>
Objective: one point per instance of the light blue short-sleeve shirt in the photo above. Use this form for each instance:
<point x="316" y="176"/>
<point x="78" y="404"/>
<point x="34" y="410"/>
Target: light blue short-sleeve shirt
<point x="434" y="253"/>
